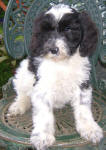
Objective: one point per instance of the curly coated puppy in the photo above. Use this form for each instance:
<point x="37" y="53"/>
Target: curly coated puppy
<point x="62" y="41"/>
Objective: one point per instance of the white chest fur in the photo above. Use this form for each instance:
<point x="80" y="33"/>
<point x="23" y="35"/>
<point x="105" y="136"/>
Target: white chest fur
<point x="61" y="79"/>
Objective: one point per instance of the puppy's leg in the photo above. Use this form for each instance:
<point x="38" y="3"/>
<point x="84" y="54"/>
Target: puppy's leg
<point x="23" y="84"/>
<point x="85" y="124"/>
<point x="20" y="106"/>
<point x="43" y="120"/>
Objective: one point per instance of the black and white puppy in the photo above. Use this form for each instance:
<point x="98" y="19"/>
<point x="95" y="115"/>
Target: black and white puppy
<point x="62" y="41"/>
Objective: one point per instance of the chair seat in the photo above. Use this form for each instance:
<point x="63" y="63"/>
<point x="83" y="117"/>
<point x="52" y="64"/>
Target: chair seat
<point x="17" y="129"/>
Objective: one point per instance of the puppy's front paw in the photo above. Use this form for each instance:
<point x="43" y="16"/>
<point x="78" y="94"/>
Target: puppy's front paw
<point x="41" y="141"/>
<point x="90" y="131"/>
<point x="15" y="109"/>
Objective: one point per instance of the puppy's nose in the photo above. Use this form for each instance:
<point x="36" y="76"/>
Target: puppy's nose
<point x="54" y="50"/>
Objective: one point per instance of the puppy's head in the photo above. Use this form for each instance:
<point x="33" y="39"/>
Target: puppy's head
<point x="61" y="31"/>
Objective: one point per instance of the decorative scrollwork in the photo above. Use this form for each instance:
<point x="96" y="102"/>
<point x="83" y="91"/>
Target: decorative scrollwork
<point x="14" y="27"/>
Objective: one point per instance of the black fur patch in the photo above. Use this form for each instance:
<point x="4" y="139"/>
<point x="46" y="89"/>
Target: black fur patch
<point x="42" y="31"/>
<point x="85" y="85"/>
<point x="33" y="67"/>
<point x="46" y="29"/>
<point x="90" y="35"/>
<point x="70" y="27"/>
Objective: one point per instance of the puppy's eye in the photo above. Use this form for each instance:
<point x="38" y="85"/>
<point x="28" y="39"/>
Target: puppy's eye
<point x="67" y="28"/>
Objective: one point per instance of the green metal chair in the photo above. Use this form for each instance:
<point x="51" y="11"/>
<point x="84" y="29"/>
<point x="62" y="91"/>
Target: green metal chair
<point x="18" y="23"/>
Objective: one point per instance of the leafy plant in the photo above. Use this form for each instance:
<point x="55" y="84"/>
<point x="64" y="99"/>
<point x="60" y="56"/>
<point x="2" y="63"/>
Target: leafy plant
<point x="1" y="10"/>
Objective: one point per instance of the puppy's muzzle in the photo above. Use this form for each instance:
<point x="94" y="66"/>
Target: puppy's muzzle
<point x="50" y="46"/>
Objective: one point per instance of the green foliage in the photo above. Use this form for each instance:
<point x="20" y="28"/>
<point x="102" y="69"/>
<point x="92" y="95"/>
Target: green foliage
<point x="3" y="53"/>
<point x="6" y="71"/>
<point x="7" y="64"/>
<point x="105" y="2"/>
<point x="1" y="11"/>
<point x="1" y="29"/>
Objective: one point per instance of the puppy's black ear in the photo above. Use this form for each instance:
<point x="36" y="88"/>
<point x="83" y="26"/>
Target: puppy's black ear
<point x="90" y="35"/>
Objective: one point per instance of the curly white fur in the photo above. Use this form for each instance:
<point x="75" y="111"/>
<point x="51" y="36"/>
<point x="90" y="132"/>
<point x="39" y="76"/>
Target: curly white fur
<point x="51" y="91"/>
